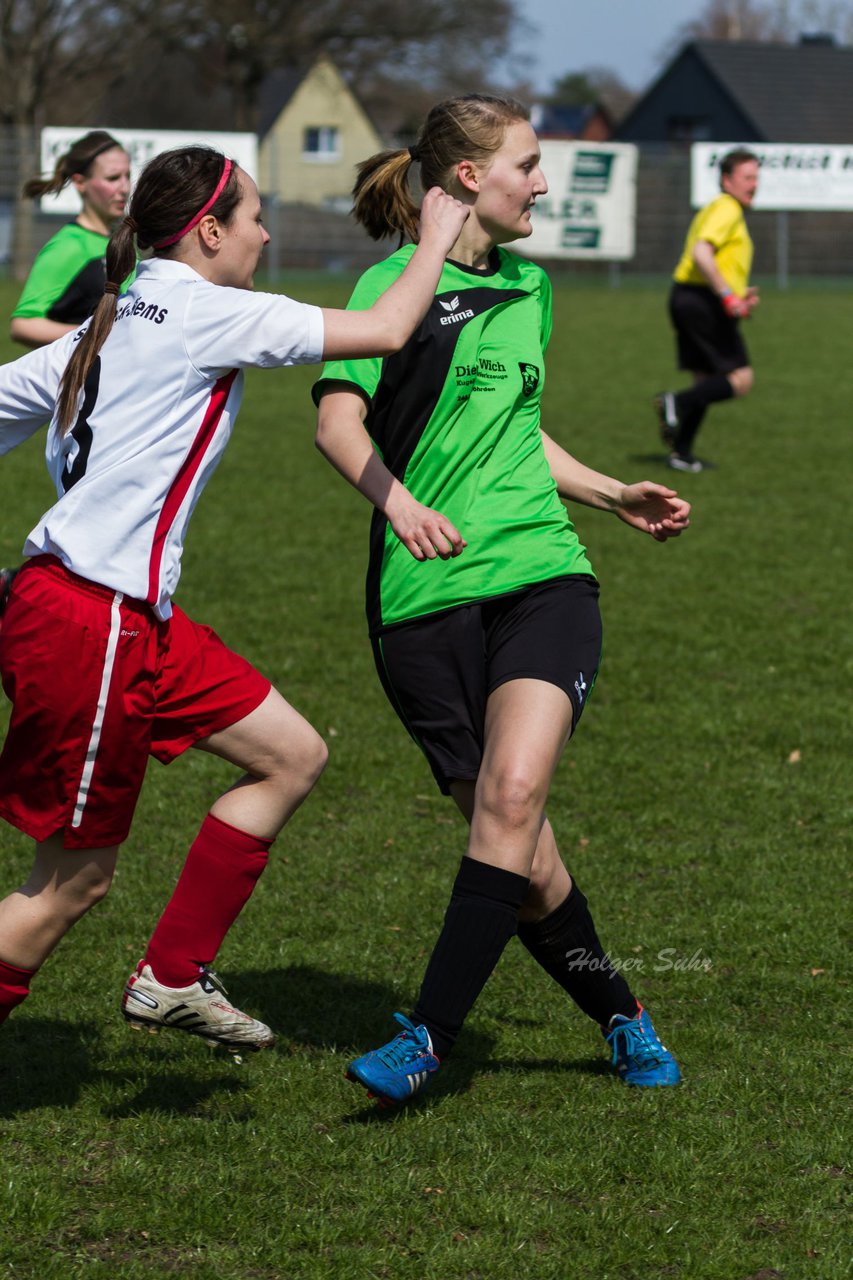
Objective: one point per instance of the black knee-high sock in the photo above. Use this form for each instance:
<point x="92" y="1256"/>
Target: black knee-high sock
<point x="567" y="946"/>
<point x="689" y="422"/>
<point x="692" y="403"/>
<point x="481" y="918"/>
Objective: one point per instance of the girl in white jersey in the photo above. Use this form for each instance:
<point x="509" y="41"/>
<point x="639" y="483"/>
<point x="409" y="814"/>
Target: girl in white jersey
<point x="100" y="666"/>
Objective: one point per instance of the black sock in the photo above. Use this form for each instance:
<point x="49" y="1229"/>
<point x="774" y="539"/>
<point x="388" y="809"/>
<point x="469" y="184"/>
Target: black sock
<point x="481" y="918"/>
<point x="689" y="422"/>
<point x="691" y="404"/>
<point x="567" y="946"/>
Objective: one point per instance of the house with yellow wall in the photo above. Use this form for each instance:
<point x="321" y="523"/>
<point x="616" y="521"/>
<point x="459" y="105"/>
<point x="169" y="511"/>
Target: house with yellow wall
<point x="313" y="133"/>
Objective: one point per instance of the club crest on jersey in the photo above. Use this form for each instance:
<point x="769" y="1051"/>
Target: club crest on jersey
<point x="455" y="316"/>
<point x="529" y="377"/>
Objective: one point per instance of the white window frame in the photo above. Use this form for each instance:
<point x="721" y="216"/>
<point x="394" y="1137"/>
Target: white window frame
<point x="329" y="144"/>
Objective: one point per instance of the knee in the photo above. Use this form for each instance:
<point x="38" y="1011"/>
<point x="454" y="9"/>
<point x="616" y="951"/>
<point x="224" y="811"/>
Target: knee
<point x="741" y="380"/>
<point x="304" y="760"/>
<point x="315" y="758"/>
<point x="512" y="799"/>
<point x="299" y="760"/>
<point x="96" y="890"/>
<point x="84" y="891"/>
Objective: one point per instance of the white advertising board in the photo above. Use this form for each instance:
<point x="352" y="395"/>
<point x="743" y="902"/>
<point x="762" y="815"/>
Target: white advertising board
<point x="589" y="211"/>
<point x="793" y="176"/>
<point x="141" y="145"/>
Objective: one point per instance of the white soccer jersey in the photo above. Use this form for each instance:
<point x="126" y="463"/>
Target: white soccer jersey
<point x="155" y="416"/>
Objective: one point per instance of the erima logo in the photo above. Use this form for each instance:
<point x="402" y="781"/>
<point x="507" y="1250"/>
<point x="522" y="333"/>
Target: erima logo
<point x="455" y="317"/>
<point x="580" y="687"/>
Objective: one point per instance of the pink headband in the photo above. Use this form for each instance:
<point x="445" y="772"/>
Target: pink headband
<point x="193" y="222"/>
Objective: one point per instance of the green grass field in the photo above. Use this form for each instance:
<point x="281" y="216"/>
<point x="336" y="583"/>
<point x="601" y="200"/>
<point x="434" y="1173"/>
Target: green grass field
<point x="702" y="807"/>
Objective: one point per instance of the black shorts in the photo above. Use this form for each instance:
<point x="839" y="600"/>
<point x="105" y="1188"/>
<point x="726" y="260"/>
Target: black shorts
<point x="438" y="671"/>
<point x="708" y="340"/>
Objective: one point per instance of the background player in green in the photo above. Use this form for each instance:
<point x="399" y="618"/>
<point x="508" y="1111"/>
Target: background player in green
<point x="67" y="279"/>
<point x="482" y="605"/>
<point x="709" y="295"/>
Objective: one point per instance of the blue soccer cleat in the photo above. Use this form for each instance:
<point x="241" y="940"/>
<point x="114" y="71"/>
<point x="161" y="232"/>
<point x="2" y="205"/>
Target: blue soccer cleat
<point x="401" y="1068"/>
<point x="638" y="1054"/>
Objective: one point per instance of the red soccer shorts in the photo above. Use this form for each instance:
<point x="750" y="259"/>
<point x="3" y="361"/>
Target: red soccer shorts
<point x="97" y="684"/>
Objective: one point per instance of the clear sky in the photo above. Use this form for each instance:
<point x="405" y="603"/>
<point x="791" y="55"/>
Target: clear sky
<point x="628" y="36"/>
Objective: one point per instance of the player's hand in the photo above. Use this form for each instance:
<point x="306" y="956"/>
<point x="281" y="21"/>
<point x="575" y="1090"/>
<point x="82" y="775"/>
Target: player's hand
<point x="736" y="307"/>
<point x="751" y="299"/>
<point x="442" y="218"/>
<point x="425" y="533"/>
<point x="653" y="509"/>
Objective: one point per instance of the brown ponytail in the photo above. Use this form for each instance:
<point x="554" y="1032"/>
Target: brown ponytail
<point x="469" y="127"/>
<point x="382" y="202"/>
<point x="171" y="189"/>
<point x="79" y="158"/>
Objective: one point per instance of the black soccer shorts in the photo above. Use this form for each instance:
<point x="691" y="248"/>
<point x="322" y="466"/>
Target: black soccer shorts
<point x="708" y="340"/>
<point x="438" y="671"/>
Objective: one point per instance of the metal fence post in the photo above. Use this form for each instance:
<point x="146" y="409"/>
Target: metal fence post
<point x="782" y="249"/>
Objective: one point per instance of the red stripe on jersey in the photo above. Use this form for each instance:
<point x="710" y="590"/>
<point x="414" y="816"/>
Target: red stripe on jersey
<point x="186" y="474"/>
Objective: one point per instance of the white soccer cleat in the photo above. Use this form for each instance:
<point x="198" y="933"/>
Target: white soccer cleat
<point x="201" y="1009"/>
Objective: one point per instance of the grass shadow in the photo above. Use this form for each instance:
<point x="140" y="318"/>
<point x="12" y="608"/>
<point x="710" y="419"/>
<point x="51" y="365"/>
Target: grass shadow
<point x="318" y="1009"/>
<point x="333" y="1012"/>
<point x="648" y="459"/>
<point x="45" y="1063"/>
<point x="170" y="1093"/>
<point x="554" y="1066"/>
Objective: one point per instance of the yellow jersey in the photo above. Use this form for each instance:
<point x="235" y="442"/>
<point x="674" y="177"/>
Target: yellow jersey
<point x="722" y="224"/>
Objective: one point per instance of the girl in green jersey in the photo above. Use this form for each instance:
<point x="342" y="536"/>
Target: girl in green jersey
<point x="67" y="279"/>
<point x="482" y="606"/>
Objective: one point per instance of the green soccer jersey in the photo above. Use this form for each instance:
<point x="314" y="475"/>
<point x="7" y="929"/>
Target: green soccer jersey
<point x="67" y="279"/>
<point x="455" y="417"/>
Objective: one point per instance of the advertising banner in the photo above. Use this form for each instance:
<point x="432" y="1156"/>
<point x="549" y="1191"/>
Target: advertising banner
<point x="793" y="176"/>
<point x="589" y="211"/>
<point x="141" y="145"/>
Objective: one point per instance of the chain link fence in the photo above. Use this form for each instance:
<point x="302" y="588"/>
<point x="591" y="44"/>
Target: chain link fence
<point x="788" y="246"/>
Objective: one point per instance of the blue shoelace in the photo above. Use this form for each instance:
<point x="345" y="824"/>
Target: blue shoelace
<point x="638" y="1043"/>
<point x="404" y="1048"/>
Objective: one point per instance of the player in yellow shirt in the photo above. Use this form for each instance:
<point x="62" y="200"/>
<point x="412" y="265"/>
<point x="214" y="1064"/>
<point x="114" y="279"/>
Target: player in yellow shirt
<point x="709" y="295"/>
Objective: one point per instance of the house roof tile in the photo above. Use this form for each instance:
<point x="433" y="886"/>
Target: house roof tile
<point x="791" y="92"/>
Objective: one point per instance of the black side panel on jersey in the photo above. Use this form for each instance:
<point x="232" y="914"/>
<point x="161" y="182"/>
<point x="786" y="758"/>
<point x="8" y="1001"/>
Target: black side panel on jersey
<point x="413" y="379"/>
<point x="81" y="295"/>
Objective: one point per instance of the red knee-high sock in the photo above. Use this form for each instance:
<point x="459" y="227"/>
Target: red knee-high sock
<point x="14" y="987"/>
<point x="220" y="872"/>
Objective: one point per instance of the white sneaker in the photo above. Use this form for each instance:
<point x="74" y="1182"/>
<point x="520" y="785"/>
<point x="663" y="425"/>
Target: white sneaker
<point x="199" y="1009"/>
<point x="687" y="462"/>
